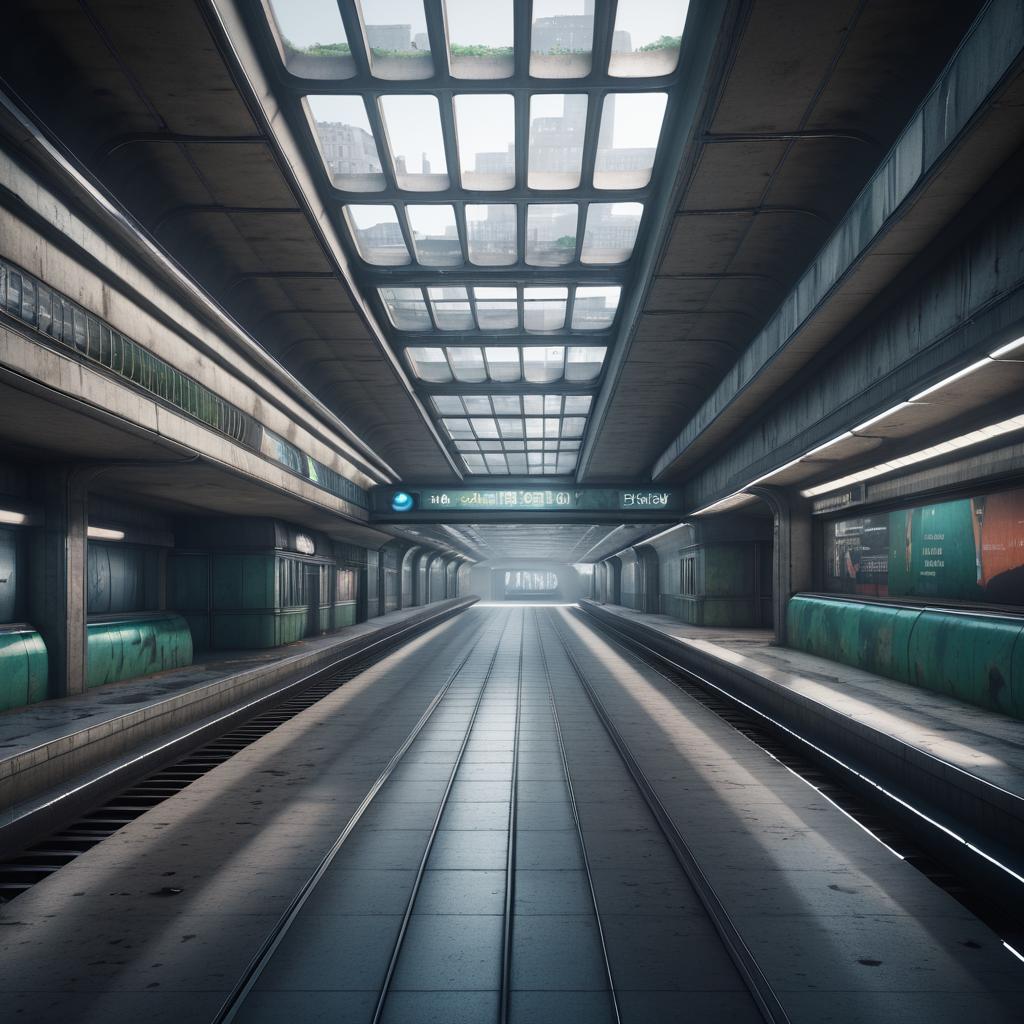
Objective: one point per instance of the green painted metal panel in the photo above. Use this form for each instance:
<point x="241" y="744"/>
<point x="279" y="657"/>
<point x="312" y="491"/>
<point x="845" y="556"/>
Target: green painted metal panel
<point x="242" y="630"/>
<point x="966" y="657"/>
<point x="344" y="614"/>
<point x="23" y="669"/>
<point x="975" y="658"/>
<point x="243" y="581"/>
<point x="1017" y="677"/>
<point x="189" y="581"/>
<point x="127" y="648"/>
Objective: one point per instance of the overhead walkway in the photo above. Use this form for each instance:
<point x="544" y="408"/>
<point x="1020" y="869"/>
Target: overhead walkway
<point x="511" y="817"/>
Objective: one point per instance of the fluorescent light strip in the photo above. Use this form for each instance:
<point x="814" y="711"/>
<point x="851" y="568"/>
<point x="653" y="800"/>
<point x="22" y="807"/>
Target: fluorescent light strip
<point x="959" y="375"/>
<point x="729" y="501"/>
<point x="929" y="453"/>
<point x="1014" y="952"/>
<point x="1006" y="349"/>
<point x="9" y="518"/>
<point x="881" y="416"/>
<point x="101" y="533"/>
<point x="942" y="448"/>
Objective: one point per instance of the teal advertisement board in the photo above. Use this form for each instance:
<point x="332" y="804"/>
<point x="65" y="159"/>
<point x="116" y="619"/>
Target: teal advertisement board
<point x="971" y="549"/>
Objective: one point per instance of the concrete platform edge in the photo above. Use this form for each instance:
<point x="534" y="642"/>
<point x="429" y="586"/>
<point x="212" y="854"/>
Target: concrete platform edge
<point x="85" y="762"/>
<point x="977" y="811"/>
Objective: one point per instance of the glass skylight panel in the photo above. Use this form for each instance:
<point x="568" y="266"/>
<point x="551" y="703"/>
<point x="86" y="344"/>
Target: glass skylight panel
<point x="435" y="237"/>
<point x="551" y="234"/>
<point x="561" y="38"/>
<point x="573" y="426"/>
<point x="542" y="365"/>
<point x="413" y="125"/>
<point x="485" y="128"/>
<point x="429" y="364"/>
<point x="503" y="364"/>
<point x="458" y="428"/>
<point x="496" y="463"/>
<point x="475" y="463"/>
<point x="544" y="308"/>
<point x="346" y="142"/>
<point x="510" y="427"/>
<point x="313" y="40"/>
<point x="491" y="235"/>
<point x="576" y="405"/>
<point x="507" y="405"/>
<point x="646" y="39"/>
<point x="396" y="39"/>
<point x="448" y="405"/>
<point x="406" y="308"/>
<point x="558" y="126"/>
<point x="477" y="405"/>
<point x="468" y="364"/>
<point x="628" y="139"/>
<point x="377" y="235"/>
<point x="451" y="308"/>
<point x="611" y="232"/>
<point x="594" y="307"/>
<point x="484" y="427"/>
<point x="583" y="363"/>
<point x="497" y="309"/>
<point x="480" y="38"/>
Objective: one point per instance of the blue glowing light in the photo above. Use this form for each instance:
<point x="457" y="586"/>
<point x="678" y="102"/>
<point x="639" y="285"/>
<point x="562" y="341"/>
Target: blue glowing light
<point x="401" y="502"/>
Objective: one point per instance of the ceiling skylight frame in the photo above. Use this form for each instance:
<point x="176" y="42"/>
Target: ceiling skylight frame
<point x="445" y="85"/>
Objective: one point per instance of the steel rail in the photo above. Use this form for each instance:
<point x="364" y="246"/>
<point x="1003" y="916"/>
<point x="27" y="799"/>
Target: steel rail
<point x="396" y="952"/>
<point x="579" y="827"/>
<point x="753" y="977"/>
<point x="510" y="849"/>
<point x="236" y="998"/>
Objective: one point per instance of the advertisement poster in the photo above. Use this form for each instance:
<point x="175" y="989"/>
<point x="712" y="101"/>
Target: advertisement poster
<point x="857" y="556"/>
<point x="971" y="549"/>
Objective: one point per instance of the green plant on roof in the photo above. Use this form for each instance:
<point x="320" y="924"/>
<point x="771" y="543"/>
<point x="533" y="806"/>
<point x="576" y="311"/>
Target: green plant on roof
<point x="566" y="242"/>
<point x="320" y="49"/>
<point x="479" y="50"/>
<point x="403" y="54"/>
<point x="661" y="43"/>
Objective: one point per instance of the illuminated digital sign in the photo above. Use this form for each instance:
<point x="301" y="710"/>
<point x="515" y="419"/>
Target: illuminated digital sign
<point x="524" y="499"/>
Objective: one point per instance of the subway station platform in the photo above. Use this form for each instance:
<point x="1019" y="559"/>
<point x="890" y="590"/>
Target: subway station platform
<point x="59" y="755"/>
<point x="510" y="810"/>
<point x="943" y="760"/>
<point x="372" y="372"/>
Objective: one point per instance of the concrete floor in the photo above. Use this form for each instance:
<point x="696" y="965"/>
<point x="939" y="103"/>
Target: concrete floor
<point x="162" y="919"/>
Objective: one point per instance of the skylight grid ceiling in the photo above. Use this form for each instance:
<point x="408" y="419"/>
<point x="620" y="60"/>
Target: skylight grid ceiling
<point x="491" y="165"/>
<point x="506" y="433"/>
<point x="452" y="307"/>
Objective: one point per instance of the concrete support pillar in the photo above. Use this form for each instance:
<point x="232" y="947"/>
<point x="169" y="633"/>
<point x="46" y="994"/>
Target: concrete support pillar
<point x="648" y="568"/>
<point x="793" y="555"/>
<point x="58" y="591"/>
